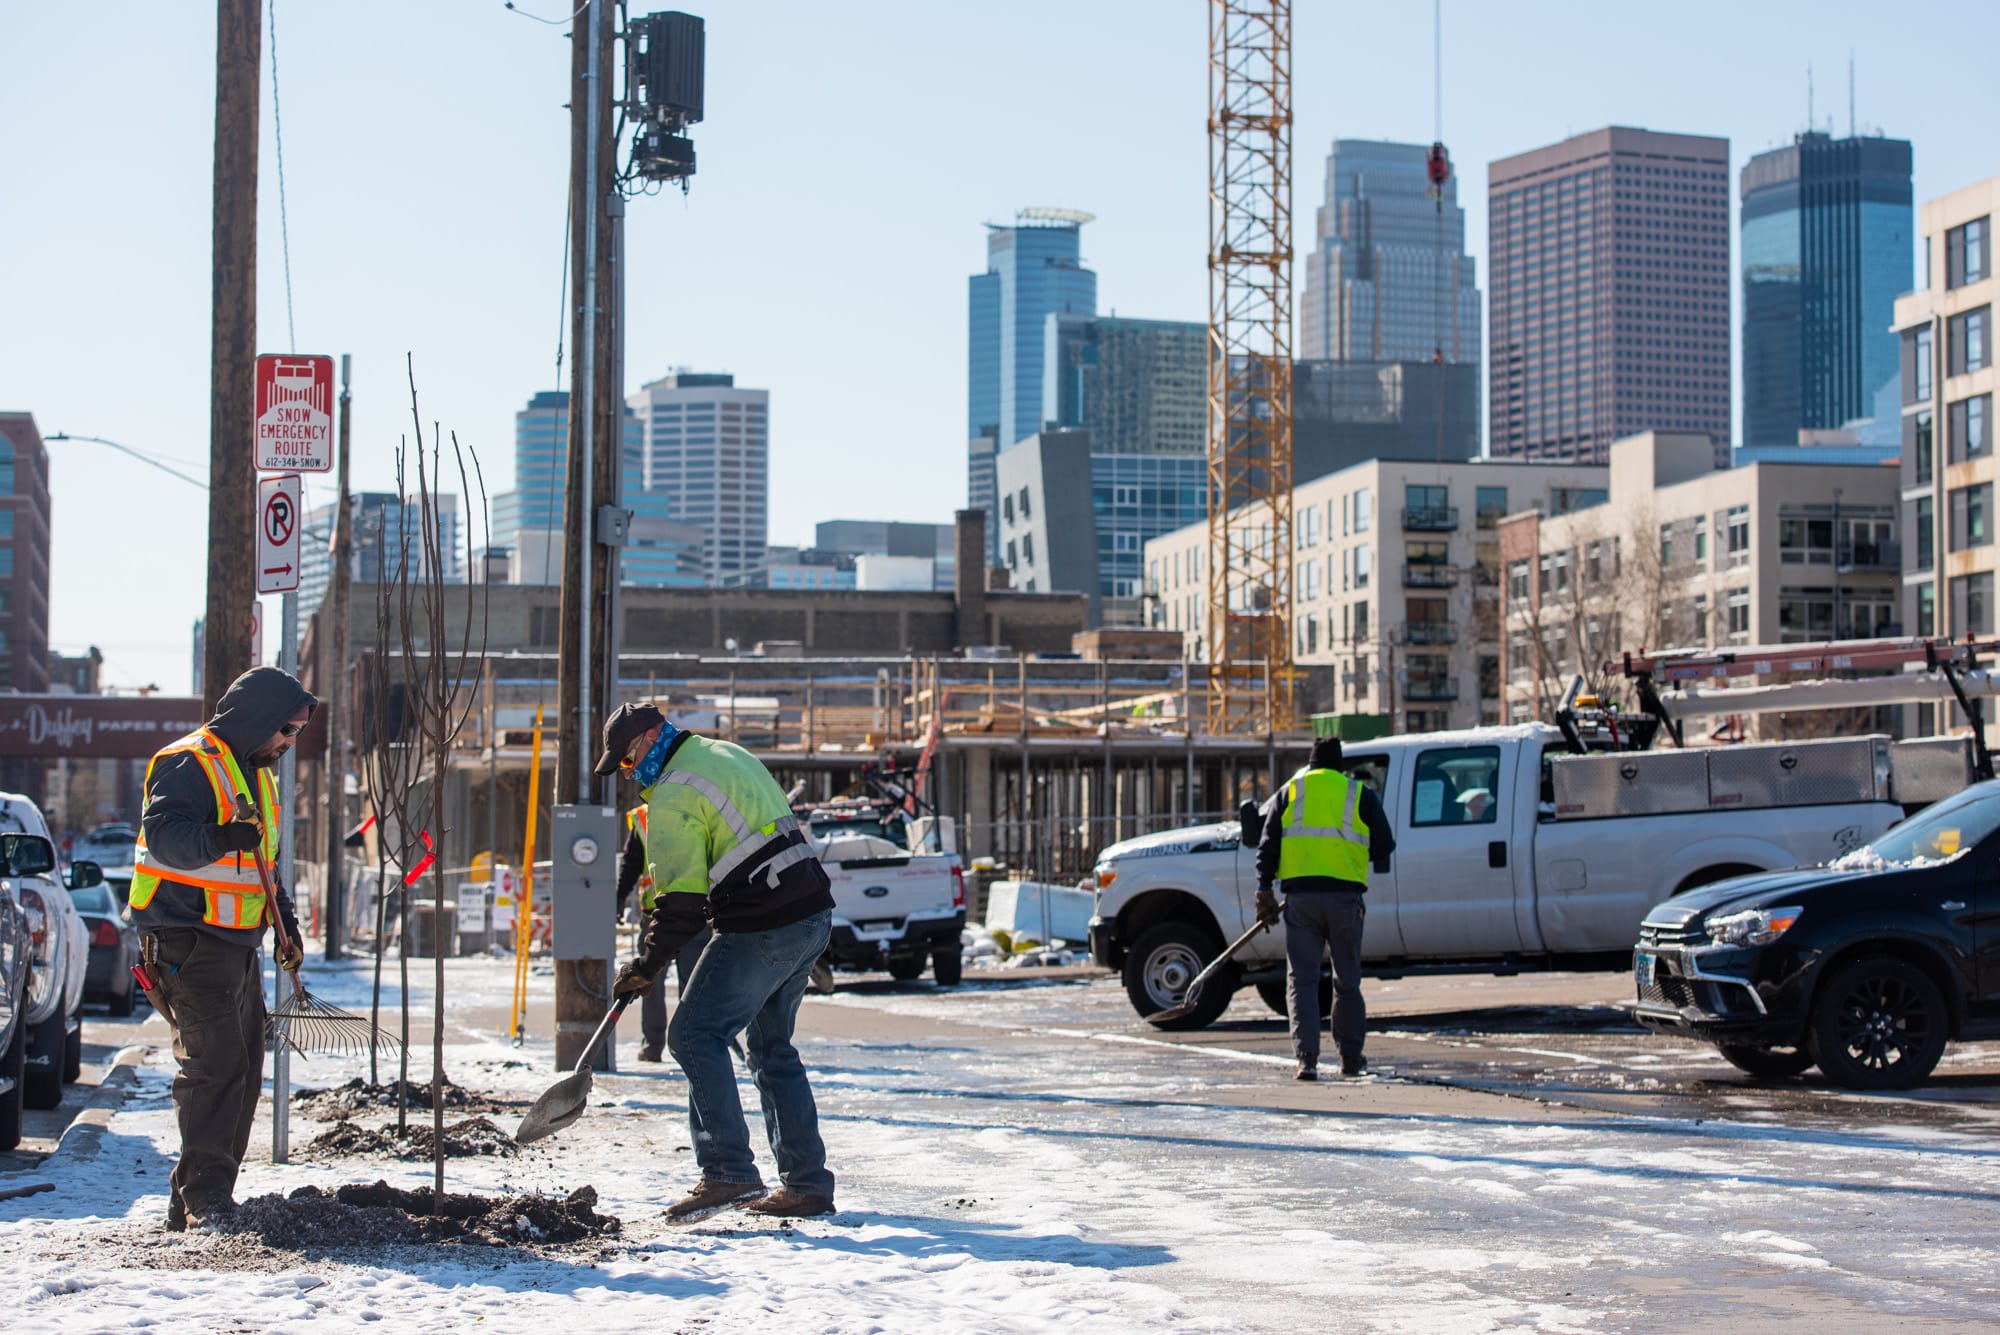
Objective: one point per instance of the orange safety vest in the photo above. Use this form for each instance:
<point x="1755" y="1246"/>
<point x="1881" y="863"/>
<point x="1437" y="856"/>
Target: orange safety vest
<point x="232" y="890"/>
<point x="635" y="821"/>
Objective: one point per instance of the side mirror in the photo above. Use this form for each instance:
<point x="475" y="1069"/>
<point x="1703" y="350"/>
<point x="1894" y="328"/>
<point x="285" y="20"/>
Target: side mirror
<point x="26" y="855"/>
<point x="1252" y="821"/>
<point x="83" y="875"/>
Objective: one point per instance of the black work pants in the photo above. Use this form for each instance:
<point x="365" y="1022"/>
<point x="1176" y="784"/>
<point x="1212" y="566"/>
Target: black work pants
<point x="215" y="992"/>
<point x="653" y="1005"/>
<point x="1319" y="923"/>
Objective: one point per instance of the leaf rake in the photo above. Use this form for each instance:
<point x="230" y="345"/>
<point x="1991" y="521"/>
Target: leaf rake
<point x="302" y="1021"/>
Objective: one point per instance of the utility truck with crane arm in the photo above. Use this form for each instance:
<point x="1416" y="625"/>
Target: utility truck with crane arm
<point x="1532" y="846"/>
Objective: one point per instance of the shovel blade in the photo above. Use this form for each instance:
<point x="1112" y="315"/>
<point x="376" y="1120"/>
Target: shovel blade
<point x="560" y="1104"/>
<point x="1186" y="1007"/>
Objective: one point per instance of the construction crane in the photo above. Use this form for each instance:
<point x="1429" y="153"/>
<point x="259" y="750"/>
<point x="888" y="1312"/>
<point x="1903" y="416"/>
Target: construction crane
<point x="1249" y="622"/>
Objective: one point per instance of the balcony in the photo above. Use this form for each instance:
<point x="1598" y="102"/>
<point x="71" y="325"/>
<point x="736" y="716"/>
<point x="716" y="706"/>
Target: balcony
<point x="1429" y="632"/>
<point x="1886" y="556"/>
<point x="1431" y="688"/>
<point x="1430" y="519"/>
<point x="1428" y="575"/>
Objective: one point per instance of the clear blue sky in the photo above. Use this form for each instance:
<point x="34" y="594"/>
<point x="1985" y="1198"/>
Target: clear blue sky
<point x="851" y="153"/>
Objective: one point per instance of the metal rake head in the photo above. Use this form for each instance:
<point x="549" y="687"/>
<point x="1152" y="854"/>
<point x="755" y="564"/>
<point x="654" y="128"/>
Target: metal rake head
<point x="307" y="1025"/>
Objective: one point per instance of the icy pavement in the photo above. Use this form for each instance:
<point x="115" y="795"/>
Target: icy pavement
<point x="1005" y="1168"/>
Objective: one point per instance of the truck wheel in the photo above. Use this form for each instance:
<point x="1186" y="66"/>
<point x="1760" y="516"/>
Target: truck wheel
<point x="1161" y="964"/>
<point x="1274" y="997"/>
<point x="73" y="1054"/>
<point x="43" y="1084"/>
<point x="1878" y="1024"/>
<point x="12" y="1067"/>
<point x="948" y="966"/>
<point x="1772" y="1063"/>
<point x="906" y="968"/>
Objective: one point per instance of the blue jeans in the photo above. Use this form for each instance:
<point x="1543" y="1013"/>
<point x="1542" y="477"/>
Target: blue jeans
<point x="751" y="983"/>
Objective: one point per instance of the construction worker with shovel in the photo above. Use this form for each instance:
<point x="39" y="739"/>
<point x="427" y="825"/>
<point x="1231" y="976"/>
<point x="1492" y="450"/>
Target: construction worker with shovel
<point x="199" y="903"/>
<point x="726" y="852"/>
<point x="1321" y="834"/>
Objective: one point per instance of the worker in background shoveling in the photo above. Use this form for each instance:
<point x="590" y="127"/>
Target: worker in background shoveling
<point x="1320" y="835"/>
<point x="199" y="906"/>
<point x="723" y="846"/>
<point x="635" y="872"/>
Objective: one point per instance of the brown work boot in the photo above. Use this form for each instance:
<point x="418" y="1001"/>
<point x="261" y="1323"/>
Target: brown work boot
<point x="787" y="1203"/>
<point x="710" y="1196"/>
<point x="177" y="1215"/>
<point x="203" y="1214"/>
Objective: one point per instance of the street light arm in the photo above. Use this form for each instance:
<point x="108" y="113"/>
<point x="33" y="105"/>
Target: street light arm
<point x="126" y="449"/>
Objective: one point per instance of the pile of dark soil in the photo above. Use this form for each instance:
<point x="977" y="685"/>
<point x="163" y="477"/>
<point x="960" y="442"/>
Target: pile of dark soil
<point x="357" y="1095"/>
<point x="355" y="1216"/>
<point x="467" y="1139"/>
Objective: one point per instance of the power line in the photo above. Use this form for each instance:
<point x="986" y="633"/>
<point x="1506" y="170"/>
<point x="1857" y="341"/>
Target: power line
<point x="284" y="226"/>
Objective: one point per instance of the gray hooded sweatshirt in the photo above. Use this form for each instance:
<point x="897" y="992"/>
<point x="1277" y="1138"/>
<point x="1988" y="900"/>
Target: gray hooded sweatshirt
<point x="179" y="821"/>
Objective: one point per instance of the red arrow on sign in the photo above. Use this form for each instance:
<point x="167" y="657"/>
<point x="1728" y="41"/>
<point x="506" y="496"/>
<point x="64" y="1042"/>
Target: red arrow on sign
<point x="278" y="570"/>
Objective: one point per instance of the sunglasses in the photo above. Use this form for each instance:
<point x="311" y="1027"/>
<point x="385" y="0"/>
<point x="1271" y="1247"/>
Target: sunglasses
<point x="291" y="729"/>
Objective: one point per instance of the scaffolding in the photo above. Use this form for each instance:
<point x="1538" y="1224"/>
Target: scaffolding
<point x="1249" y="621"/>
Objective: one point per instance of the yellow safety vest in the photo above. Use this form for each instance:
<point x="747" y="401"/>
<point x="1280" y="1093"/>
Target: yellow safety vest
<point x="232" y="891"/>
<point x="1324" y="834"/>
<point x="635" y="821"/>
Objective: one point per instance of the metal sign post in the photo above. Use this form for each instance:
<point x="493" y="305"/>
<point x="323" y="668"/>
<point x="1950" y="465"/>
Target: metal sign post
<point x="288" y="786"/>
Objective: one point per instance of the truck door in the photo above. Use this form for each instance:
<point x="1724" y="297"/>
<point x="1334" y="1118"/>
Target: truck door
<point x="1454" y="869"/>
<point x="1380" y="938"/>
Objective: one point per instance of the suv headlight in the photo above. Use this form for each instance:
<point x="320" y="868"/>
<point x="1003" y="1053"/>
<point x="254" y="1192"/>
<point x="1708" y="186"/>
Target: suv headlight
<point x="1752" y="927"/>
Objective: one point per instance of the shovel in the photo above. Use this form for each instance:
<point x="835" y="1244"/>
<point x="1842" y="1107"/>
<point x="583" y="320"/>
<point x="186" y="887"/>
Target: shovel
<point x="564" y="1101"/>
<point x="1193" y="993"/>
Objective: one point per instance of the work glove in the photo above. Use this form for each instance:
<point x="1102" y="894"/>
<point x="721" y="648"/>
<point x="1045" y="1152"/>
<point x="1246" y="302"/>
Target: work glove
<point x="634" y="978"/>
<point x="290" y="956"/>
<point x="1268" y="908"/>
<point x="242" y="836"/>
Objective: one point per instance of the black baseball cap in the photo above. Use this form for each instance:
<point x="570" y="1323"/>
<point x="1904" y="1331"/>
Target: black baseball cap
<point x="625" y="726"/>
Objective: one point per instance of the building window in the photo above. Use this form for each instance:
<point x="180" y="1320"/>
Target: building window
<point x="1666" y="546"/>
<point x="1971" y="517"/>
<point x="1492" y="504"/>
<point x="1361" y="562"/>
<point x="1920" y="380"/>
<point x="1926" y="608"/>
<point x="1517" y="581"/>
<point x="1700" y="539"/>
<point x="1966" y="255"/>
<point x="1969" y="427"/>
<point x="1967" y="344"/>
<point x="1024" y="503"/>
<point x="1972" y="604"/>
<point x="1926" y="526"/>
<point x="1738" y="539"/>
<point x="1028" y="547"/>
<point x="6" y="467"/>
<point x="1361" y="510"/>
<point x="1738" y="612"/>
<point x="1923" y="445"/>
<point x="1124" y="543"/>
<point x="1361" y="622"/>
<point x="1013" y="554"/>
<point x="1007" y="507"/>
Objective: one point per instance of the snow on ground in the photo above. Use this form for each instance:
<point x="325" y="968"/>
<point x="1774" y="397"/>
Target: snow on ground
<point x="1004" y="1168"/>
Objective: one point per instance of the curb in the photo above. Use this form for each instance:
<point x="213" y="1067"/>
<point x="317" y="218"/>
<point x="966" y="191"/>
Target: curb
<point x="83" y="1138"/>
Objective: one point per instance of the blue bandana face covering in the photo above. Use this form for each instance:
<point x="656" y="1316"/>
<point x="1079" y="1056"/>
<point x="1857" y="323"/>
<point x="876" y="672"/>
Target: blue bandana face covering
<point x="647" y="771"/>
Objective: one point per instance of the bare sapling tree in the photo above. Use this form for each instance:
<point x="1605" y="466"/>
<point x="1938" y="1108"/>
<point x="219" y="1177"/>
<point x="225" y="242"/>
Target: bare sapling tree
<point x="442" y="669"/>
<point x="1596" y="593"/>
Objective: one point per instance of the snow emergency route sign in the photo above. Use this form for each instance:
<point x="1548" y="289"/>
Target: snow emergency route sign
<point x="278" y="533"/>
<point x="294" y="413"/>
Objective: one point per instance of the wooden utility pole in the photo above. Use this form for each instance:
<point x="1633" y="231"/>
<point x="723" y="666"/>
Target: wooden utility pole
<point x="333" y="650"/>
<point x="583" y="986"/>
<point x="232" y="485"/>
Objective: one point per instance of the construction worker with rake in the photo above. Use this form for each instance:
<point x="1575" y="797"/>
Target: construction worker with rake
<point x="724" y="849"/>
<point x="198" y="901"/>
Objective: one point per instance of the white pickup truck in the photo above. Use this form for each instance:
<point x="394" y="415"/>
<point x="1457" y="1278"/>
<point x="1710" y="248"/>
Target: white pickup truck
<point x="894" y="909"/>
<point x="1506" y="858"/>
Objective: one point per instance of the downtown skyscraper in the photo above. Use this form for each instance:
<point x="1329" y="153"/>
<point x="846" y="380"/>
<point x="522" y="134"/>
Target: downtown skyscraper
<point x="1388" y="279"/>
<point x="1827" y="226"/>
<point x="1034" y="270"/>
<point x="1608" y="263"/>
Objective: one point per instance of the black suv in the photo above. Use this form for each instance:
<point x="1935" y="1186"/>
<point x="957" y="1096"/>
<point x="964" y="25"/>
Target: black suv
<point x="1866" y="966"/>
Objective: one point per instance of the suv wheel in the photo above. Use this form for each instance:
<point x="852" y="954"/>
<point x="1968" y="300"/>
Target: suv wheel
<point x="13" y="1066"/>
<point x="1878" y="1024"/>
<point x="1162" y="962"/>
<point x="1769" y="1062"/>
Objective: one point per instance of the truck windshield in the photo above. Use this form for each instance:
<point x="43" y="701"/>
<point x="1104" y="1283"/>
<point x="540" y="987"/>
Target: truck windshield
<point x="1938" y="833"/>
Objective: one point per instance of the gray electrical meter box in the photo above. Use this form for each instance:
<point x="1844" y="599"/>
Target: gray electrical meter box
<point x="583" y="885"/>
